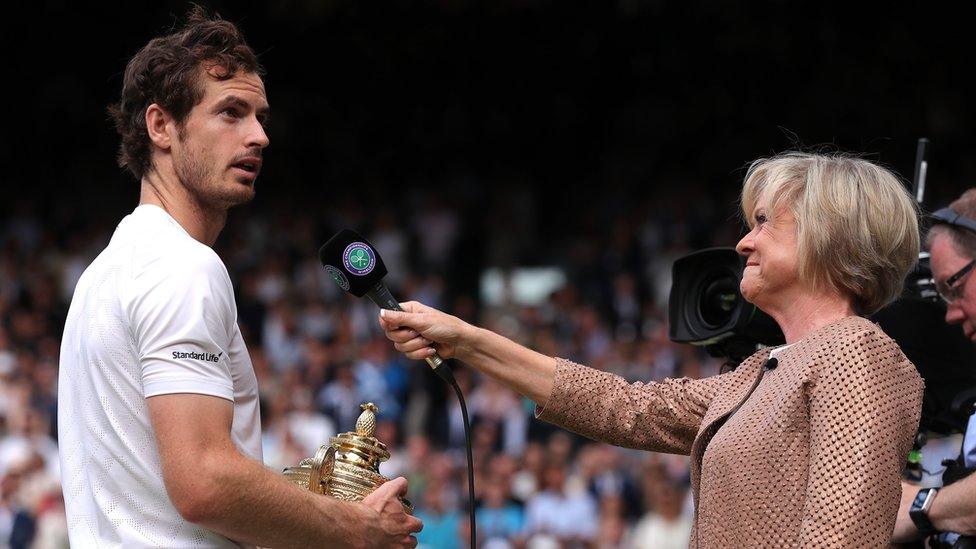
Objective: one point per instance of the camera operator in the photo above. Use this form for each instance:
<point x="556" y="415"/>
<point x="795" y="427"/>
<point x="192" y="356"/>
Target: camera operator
<point x="948" y="514"/>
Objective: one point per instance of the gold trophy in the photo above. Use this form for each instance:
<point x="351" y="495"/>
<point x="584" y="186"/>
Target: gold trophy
<point x="348" y="468"/>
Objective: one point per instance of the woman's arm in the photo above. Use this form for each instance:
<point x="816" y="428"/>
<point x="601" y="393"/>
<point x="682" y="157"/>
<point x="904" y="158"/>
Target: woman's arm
<point x="660" y="416"/>
<point x="864" y="402"/>
<point x="654" y="416"/>
<point x="419" y="331"/>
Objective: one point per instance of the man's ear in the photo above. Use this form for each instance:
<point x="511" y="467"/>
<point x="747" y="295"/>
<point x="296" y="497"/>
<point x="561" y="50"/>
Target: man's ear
<point x="158" y="124"/>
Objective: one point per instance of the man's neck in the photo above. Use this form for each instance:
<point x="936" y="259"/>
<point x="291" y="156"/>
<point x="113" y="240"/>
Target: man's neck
<point x="202" y="223"/>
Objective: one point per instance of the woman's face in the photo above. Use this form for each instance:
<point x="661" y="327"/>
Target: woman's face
<point x="771" y="257"/>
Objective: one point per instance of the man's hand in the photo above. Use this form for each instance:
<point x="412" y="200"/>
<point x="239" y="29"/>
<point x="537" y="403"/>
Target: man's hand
<point x="905" y="530"/>
<point x="394" y="526"/>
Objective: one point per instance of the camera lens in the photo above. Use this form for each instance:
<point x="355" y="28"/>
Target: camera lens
<point x="718" y="301"/>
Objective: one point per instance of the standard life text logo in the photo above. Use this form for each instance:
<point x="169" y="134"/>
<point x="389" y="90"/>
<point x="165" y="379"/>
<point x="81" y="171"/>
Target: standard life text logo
<point x="209" y="357"/>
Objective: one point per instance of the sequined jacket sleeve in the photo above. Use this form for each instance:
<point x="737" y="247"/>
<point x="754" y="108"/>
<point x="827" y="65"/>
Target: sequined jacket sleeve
<point x="658" y="416"/>
<point x="864" y="402"/>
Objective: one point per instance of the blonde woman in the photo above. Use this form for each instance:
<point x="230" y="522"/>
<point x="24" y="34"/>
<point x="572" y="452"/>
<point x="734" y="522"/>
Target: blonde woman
<point x="802" y="451"/>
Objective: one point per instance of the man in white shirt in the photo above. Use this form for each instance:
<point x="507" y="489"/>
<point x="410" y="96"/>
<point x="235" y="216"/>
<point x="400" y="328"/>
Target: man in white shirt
<point x="158" y="419"/>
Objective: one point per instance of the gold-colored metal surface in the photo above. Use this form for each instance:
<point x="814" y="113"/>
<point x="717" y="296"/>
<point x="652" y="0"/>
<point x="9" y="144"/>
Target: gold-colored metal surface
<point x="348" y="467"/>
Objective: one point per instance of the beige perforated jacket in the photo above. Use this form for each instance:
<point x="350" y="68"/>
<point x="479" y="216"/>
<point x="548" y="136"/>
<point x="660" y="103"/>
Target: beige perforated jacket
<point x="808" y="454"/>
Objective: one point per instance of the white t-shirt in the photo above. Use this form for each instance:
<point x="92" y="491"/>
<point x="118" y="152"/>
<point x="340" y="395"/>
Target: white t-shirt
<point x="154" y="314"/>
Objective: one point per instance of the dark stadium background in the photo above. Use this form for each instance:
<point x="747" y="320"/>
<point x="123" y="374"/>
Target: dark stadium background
<point x="555" y="134"/>
<point x="581" y="100"/>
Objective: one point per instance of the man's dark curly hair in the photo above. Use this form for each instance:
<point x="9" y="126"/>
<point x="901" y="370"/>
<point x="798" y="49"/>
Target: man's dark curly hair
<point x="167" y="71"/>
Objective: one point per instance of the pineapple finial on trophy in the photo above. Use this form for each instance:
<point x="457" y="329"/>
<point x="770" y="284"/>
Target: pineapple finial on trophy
<point x="366" y="424"/>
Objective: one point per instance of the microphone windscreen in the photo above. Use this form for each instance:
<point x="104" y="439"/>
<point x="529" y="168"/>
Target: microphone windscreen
<point x="352" y="262"/>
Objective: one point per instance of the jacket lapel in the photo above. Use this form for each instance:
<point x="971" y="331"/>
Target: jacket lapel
<point x="734" y="392"/>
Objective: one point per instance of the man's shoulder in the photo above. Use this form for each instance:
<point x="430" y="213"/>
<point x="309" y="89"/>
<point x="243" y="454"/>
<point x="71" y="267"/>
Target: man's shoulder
<point x="176" y="257"/>
<point x="160" y="249"/>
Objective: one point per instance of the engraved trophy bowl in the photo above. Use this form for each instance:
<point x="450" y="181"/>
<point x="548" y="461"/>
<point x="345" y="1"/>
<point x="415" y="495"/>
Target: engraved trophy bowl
<point x="348" y="467"/>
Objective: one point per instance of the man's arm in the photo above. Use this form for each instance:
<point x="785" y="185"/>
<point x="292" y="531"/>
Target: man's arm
<point x="954" y="507"/>
<point x="953" y="510"/>
<point x="212" y="484"/>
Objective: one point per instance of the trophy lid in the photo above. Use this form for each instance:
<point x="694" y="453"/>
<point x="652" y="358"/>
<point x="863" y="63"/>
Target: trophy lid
<point x="362" y="443"/>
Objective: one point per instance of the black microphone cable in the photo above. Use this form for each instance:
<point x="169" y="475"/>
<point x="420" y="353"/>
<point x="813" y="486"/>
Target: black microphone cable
<point x="356" y="266"/>
<point x="441" y="368"/>
<point x="467" y="447"/>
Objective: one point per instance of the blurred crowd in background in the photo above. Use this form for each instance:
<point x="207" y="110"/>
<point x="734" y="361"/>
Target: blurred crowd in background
<point x="598" y="139"/>
<point x="319" y="354"/>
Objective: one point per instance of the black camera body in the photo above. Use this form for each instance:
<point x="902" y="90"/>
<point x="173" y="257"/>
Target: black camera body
<point x="707" y="309"/>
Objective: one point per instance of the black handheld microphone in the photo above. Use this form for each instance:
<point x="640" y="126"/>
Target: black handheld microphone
<point x="357" y="268"/>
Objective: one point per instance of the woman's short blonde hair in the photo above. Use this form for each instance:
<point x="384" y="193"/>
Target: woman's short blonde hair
<point x="857" y="226"/>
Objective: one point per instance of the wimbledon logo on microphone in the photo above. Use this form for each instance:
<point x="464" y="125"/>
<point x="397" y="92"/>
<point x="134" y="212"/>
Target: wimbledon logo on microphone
<point x="359" y="259"/>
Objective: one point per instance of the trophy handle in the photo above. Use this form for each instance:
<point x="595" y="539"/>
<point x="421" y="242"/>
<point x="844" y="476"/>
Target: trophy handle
<point x="321" y="468"/>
